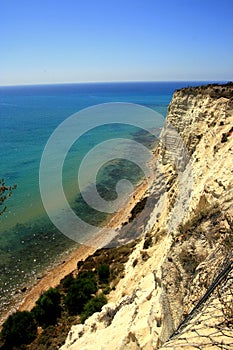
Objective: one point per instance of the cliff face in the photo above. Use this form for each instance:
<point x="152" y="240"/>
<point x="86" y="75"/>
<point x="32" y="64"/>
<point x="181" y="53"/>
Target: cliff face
<point x="187" y="241"/>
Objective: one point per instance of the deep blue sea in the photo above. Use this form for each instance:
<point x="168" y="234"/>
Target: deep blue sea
<point x="29" y="242"/>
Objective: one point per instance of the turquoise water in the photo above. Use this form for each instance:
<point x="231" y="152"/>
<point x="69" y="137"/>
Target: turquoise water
<point x="29" y="242"/>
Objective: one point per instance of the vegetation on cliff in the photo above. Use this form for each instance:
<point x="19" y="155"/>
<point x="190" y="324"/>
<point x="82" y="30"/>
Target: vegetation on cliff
<point x="77" y="297"/>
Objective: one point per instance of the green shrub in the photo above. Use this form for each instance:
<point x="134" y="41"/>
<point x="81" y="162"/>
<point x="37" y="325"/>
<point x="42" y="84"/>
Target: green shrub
<point x="104" y="273"/>
<point x="66" y="282"/>
<point x="48" y="308"/>
<point x="80" y="292"/>
<point x="92" y="306"/>
<point x="20" y="328"/>
<point x="138" y="208"/>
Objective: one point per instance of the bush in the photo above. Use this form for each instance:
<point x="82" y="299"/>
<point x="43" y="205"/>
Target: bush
<point x="48" y="308"/>
<point x="66" y="282"/>
<point x="92" y="306"/>
<point x="137" y="209"/>
<point x="104" y="273"/>
<point x="20" y="328"/>
<point x="80" y="292"/>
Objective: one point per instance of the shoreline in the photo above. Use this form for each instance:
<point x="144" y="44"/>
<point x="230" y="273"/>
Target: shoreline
<point x="54" y="275"/>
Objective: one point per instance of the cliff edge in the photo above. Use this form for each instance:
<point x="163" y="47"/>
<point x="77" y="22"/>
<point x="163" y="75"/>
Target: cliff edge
<point x="177" y="287"/>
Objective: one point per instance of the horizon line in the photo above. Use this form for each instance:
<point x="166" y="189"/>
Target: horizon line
<point x="115" y="82"/>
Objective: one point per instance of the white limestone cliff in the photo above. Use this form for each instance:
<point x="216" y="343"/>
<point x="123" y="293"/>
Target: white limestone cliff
<point x="185" y="241"/>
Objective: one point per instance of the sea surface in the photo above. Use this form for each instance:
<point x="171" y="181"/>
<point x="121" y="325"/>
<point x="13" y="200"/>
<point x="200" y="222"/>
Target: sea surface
<point x="29" y="242"/>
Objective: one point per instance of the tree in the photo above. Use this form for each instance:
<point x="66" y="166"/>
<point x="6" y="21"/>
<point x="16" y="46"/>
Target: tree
<point x="5" y="193"/>
<point x="20" y="328"/>
<point x="48" y="308"/>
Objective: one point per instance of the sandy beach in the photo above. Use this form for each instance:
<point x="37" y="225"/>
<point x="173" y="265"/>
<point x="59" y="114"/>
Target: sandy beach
<point x="52" y="277"/>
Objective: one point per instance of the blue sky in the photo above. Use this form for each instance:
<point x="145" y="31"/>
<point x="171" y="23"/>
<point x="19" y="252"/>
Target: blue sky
<point x="50" y="41"/>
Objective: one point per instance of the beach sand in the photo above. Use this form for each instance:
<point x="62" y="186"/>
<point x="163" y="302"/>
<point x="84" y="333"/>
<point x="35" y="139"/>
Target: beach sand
<point x="53" y="277"/>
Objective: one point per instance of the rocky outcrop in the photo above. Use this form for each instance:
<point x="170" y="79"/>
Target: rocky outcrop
<point x="187" y="241"/>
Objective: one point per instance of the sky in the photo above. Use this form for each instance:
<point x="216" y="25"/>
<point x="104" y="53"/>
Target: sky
<point x="62" y="41"/>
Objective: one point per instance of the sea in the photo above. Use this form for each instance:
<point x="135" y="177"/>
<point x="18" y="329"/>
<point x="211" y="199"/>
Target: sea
<point x="30" y="241"/>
